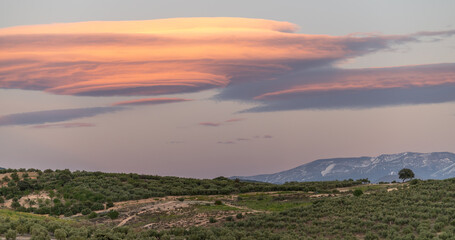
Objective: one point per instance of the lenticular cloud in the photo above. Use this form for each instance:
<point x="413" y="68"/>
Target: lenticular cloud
<point x="258" y="60"/>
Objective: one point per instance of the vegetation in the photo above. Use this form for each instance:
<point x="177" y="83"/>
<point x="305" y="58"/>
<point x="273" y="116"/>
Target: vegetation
<point x="406" y="173"/>
<point x="413" y="210"/>
<point x="113" y="214"/>
<point x="357" y="192"/>
<point x="76" y="192"/>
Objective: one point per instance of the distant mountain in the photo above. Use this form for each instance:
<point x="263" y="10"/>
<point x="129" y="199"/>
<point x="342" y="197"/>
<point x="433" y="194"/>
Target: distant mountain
<point x="437" y="165"/>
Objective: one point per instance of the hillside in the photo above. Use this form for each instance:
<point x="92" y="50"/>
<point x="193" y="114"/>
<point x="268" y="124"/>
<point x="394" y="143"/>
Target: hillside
<point x="437" y="165"/>
<point x="63" y="192"/>
<point x="414" y="210"/>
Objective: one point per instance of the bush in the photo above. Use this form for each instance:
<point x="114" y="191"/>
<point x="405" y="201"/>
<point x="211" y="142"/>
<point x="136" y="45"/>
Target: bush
<point x="218" y="202"/>
<point x="11" y="234"/>
<point x="229" y="218"/>
<point x="181" y="199"/>
<point x="113" y="214"/>
<point x="97" y="206"/>
<point x="86" y="211"/>
<point x="109" y="204"/>
<point x="371" y="236"/>
<point x="239" y="216"/>
<point x="60" y="234"/>
<point x="357" y="192"/>
<point x="92" y="215"/>
<point x="414" y="181"/>
<point x="212" y="220"/>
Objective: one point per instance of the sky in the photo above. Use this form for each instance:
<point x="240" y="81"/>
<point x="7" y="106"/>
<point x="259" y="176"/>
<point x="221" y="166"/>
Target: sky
<point x="209" y="88"/>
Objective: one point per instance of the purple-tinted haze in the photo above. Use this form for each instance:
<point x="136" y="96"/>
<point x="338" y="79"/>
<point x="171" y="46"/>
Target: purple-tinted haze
<point x="257" y="92"/>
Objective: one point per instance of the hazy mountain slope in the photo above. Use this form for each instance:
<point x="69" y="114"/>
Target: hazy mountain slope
<point x="437" y="165"/>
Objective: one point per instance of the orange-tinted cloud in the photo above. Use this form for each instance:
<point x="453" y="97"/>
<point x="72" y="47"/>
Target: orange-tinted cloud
<point x="361" y="88"/>
<point x="150" y="101"/>
<point x="373" y="78"/>
<point x="135" y="57"/>
<point x="250" y="59"/>
<point x="235" y="120"/>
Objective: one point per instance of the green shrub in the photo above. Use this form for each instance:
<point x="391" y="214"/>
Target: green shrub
<point x="97" y="206"/>
<point x="86" y="211"/>
<point x="92" y="215"/>
<point x="109" y="204"/>
<point x="60" y="234"/>
<point x="11" y="234"/>
<point x="371" y="236"/>
<point x="113" y="214"/>
<point x="357" y="192"/>
<point x="414" y="181"/>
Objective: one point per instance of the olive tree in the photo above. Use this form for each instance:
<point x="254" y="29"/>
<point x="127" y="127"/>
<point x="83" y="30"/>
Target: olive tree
<point x="60" y="234"/>
<point x="405" y="173"/>
<point x="10" y="234"/>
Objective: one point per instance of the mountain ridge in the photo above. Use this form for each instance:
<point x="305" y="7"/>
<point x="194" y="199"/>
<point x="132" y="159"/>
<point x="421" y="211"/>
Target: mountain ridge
<point x="385" y="167"/>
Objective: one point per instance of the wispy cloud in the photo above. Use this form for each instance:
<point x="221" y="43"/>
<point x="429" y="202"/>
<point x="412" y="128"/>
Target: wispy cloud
<point x="263" y="136"/>
<point x="210" y="124"/>
<point x="242" y="139"/>
<point x="150" y="101"/>
<point x="50" y="116"/>
<point x="235" y="119"/>
<point x="64" y="125"/>
<point x="226" y="142"/>
<point x="217" y="124"/>
<point x="256" y="60"/>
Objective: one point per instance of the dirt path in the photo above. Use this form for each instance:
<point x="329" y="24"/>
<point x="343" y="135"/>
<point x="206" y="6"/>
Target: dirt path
<point x="160" y="207"/>
<point x="153" y="206"/>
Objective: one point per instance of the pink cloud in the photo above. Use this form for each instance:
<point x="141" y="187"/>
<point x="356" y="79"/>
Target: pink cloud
<point x="257" y="60"/>
<point x="373" y="78"/>
<point x="235" y="120"/>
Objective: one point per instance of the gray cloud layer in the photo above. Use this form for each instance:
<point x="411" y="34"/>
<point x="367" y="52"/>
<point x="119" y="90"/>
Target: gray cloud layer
<point x="50" y="116"/>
